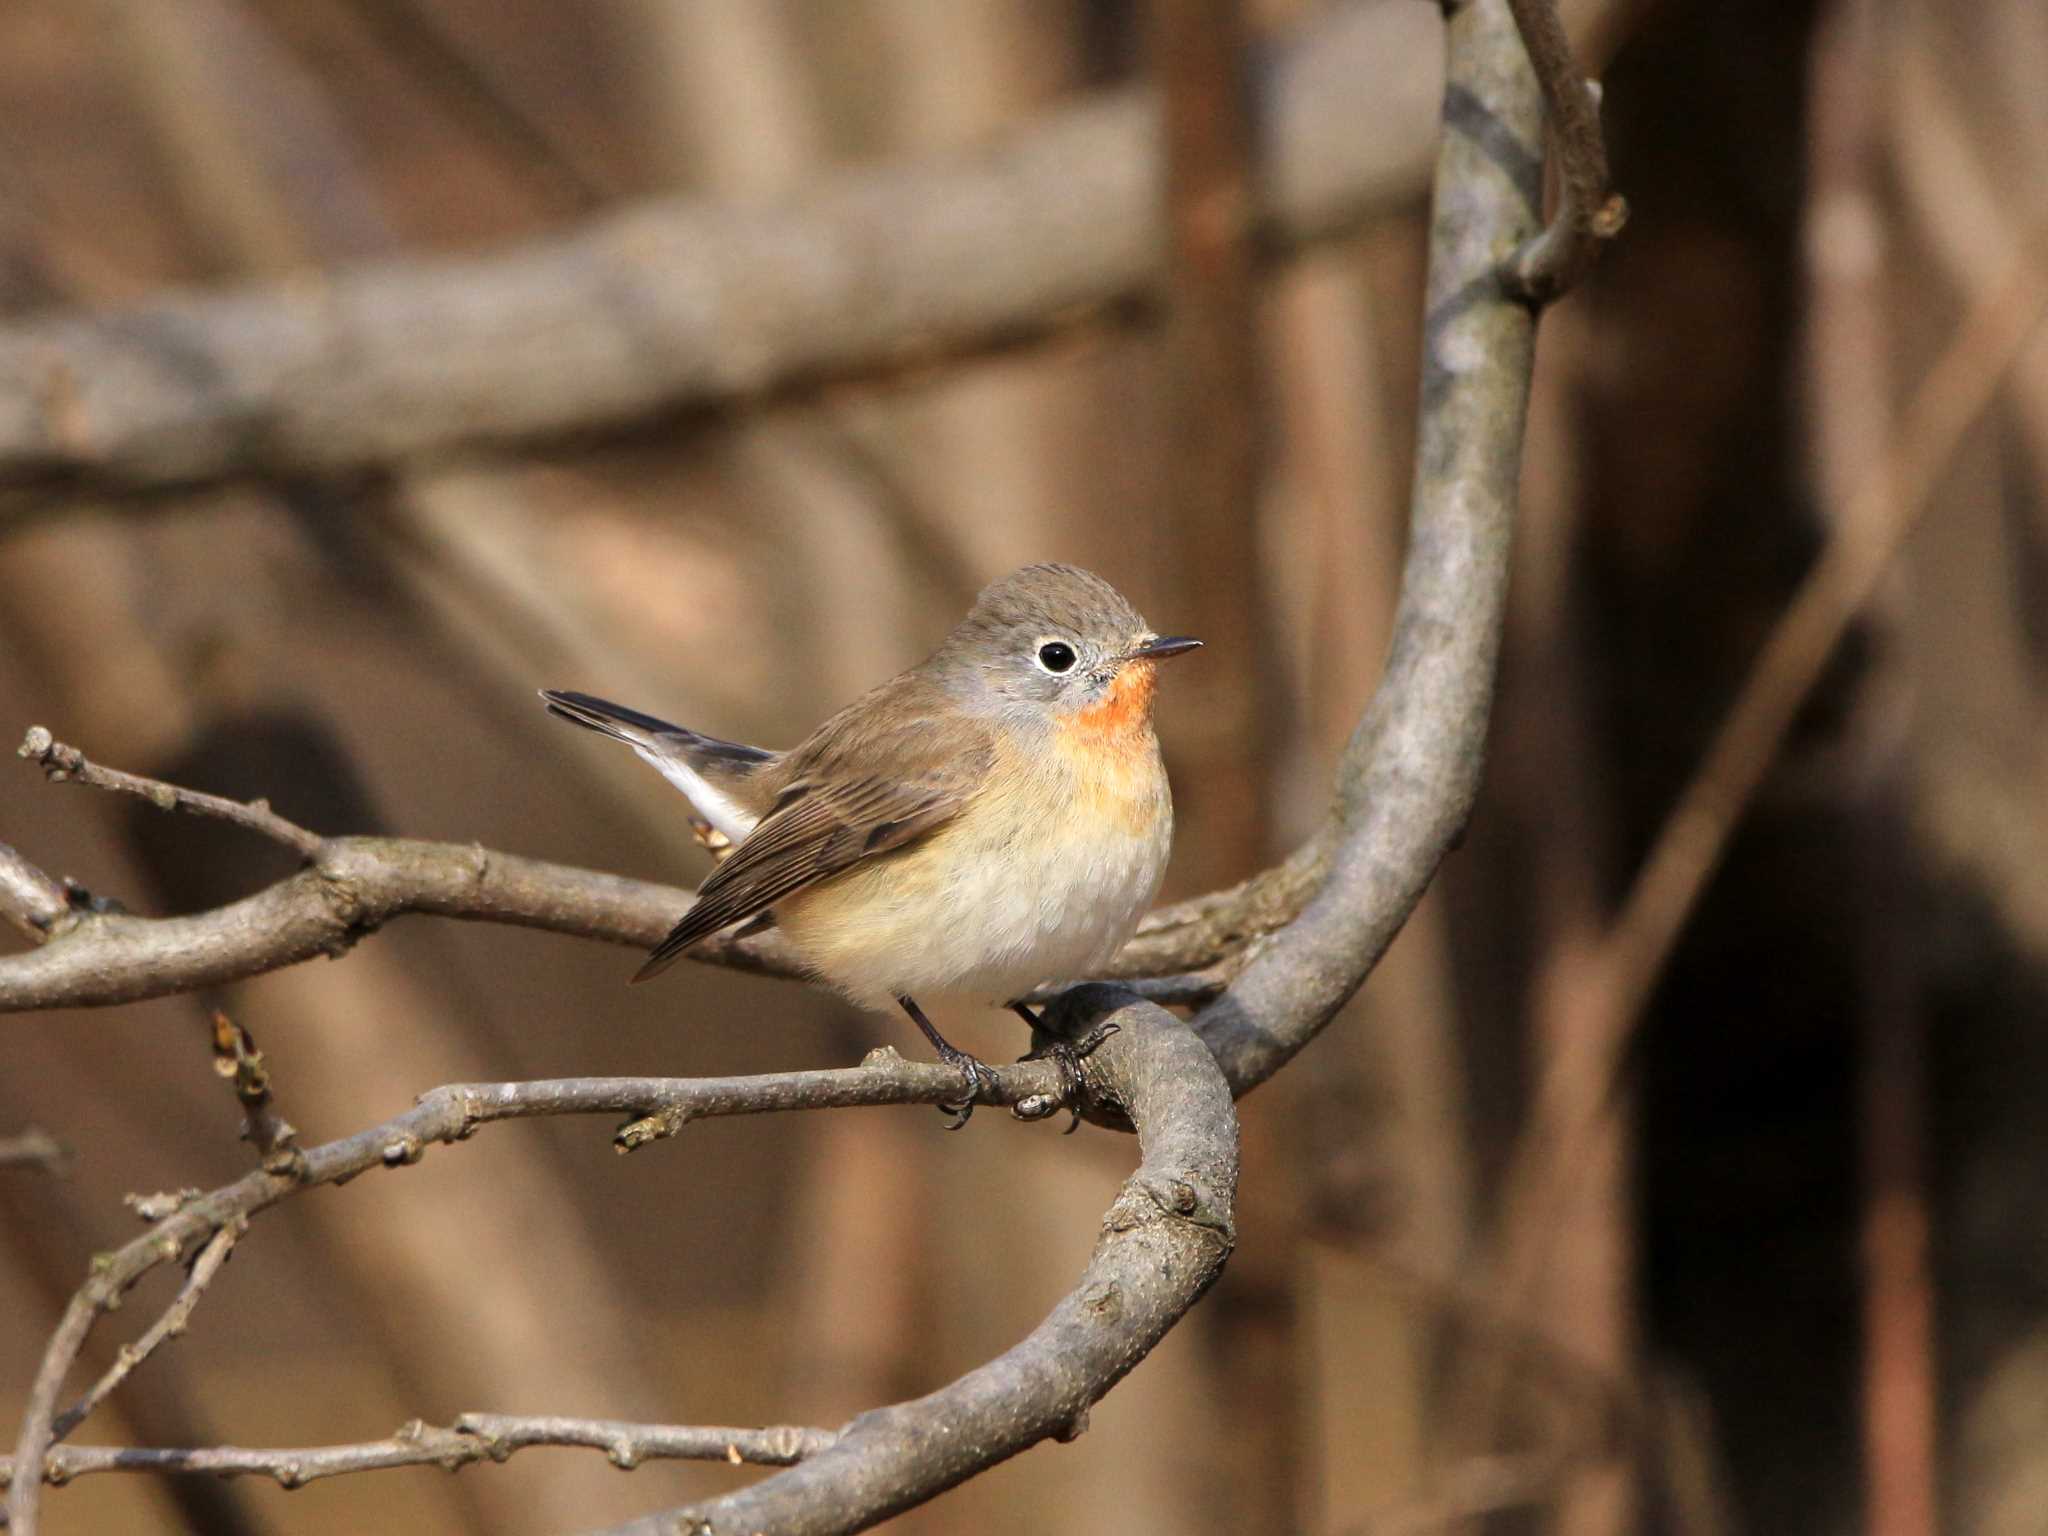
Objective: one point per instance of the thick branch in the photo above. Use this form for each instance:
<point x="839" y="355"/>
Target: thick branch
<point x="471" y="1438"/>
<point x="676" y="304"/>
<point x="1411" y="771"/>
<point x="1163" y="1242"/>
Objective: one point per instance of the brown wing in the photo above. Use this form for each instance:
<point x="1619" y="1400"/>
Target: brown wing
<point x="834" y="815"/>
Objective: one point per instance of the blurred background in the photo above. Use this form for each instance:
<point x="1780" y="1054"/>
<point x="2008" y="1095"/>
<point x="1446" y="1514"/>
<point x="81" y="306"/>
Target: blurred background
<point x="1795" y="1279"/>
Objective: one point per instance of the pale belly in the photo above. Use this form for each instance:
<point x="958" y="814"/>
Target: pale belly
<point x="993" y="906"/>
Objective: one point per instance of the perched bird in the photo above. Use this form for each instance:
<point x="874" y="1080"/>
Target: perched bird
<point x="994" y="819"/>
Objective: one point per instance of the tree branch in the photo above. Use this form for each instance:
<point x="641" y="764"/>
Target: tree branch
<point x="354" y="885"/>
<point x="1163" y="1243"/>
<point x="471" y="1438"/>
<point x="168" y="1325"/>
<point x="1306" y="933"/>
<point x="1410" y="772"/>
<point x="1589" y="211"/>
<point x="1168" y="1232"/>
<point x="33" y="1148"/>
<point x="676" y="304"/>
<point x="30" y="901"/>
<point x="60" y="763"/>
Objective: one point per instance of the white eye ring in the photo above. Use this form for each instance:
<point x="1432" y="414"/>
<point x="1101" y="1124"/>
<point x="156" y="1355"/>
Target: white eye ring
<point x="1055" y="656"/>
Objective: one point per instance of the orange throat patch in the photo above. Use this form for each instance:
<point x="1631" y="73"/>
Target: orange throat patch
<point x="1122" y="717"/>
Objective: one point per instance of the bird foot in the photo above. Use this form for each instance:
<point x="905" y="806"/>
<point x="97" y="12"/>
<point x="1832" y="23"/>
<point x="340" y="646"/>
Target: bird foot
<point x="980" y="1078"/>
<point x="1067" y="1055"/>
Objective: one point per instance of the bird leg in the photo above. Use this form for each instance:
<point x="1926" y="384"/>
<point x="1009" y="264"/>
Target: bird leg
<point x="974" y="1070"/>
<point x="1066" y="1056"/>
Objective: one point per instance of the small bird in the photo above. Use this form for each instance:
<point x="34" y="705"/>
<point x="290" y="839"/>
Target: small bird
<point x="992" y="820"/>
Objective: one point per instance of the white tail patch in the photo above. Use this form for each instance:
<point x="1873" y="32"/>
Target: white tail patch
<point x="720" y="810"/>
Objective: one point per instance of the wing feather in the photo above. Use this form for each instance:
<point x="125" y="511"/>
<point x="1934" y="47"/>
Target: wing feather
<point x="809" y="837"/>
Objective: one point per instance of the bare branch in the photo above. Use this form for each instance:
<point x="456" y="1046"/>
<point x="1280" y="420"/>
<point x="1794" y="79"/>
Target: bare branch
<point x="1589" y="211"/>
<point x="471" y="1438"/>
<point x="1163" y="1242"/>
<point x="236" y="1058"/>
<point x="677" y="303"/>
<point x="34" y="1148"/>
<point x="1411" y="770"/>
<point x="168" y="1325"/>
<point x="1168" y="1232"/>
<point x="1308" y="931"/>
<point x="61" y="764"/>
<point x="356" y="884"/>
<point x="30" y="901"/>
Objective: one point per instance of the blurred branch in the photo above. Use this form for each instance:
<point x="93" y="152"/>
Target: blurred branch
<point x="1166" y="1238"/>
<point x="1475" y="1486"/>
<point x="1589" y="211"/>
<point x="676" y="303"/>
<point x="31" y="902"/>
<point x="471" y="1438"/>
<point x="33" y="1148"/>
<point x="1576" y="1092"/>
<point x="1874" y="522"/>
<point x="413" y="36"/>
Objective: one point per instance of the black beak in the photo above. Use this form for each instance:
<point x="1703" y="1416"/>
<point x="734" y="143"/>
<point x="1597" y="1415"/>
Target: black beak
<point x="1163" y="645"/>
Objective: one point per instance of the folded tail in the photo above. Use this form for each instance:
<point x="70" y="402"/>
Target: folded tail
<point x="719" y="777"/>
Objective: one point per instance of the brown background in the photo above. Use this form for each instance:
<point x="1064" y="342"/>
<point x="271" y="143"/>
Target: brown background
<point x="1852" y="1024"/>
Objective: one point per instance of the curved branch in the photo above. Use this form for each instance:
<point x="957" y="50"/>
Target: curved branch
<point x="1164" y="1241"/>
<point x="30" y="901"/>
<point x="674" y="304"/>
<point x="1589" y="211"/>
<point x="1168" y="1232"/>
<point x="1411" y="770"/>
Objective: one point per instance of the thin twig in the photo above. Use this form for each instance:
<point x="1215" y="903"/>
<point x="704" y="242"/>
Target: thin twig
<point x="660" y="1107"/>
<point x="1168" y="1233"/>
<point x="236" y="1058"/>
<point x="168" y="1325"/>
<point x="30" y="901"/>
<point x="61" y="763"/>
<point x="34" y="1148"/>
<point x="24" y="1498"/>
<point x="1589" y="211"/>
<point x="471" y="1438"/>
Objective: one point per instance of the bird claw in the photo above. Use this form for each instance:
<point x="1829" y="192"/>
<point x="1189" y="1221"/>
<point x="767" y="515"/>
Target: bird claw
<point x="980" y="1079"/>
<point x="1066" y="1056"/>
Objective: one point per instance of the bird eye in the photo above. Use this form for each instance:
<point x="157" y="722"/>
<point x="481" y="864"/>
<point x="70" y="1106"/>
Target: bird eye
<point x="1056" y="656"/>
